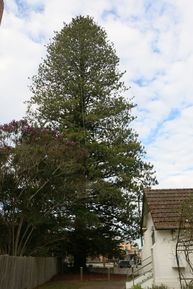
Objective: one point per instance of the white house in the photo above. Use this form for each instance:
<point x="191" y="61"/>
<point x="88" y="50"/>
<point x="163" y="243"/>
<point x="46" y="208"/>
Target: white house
<point x="160" y="224"/>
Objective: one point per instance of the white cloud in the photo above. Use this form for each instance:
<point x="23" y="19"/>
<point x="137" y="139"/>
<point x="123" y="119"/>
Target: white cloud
<point x="153" y="41"/>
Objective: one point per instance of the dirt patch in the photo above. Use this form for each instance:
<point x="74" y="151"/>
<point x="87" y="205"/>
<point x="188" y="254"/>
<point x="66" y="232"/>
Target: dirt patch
<point x="105" y="285"/>
<point x="95" y="281"/>
<point x="90" y="277"/>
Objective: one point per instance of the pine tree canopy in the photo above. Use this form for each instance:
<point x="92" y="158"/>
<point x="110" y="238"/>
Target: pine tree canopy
<point x="79" y="91"/>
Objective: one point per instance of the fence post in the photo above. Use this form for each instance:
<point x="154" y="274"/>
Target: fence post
<point x="133" y="275"/>
<point x="81" y="273"/>
<point x="109" y="273"/>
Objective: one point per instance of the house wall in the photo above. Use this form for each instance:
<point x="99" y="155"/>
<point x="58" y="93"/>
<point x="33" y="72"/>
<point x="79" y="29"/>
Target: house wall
<point x="163" y="255"/>
<point x="147" y="248"/>
<point x="147" y="239"/>
<point x="164" y="260"/>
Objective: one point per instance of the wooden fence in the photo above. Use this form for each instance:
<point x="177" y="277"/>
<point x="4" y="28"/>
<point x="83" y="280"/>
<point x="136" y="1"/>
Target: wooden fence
<point x="26" y="272"/>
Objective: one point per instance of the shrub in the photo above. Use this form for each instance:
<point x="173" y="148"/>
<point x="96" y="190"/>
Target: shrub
<point x="137" y="286"/>
<point x="162" y="286"/>
<point x="190" y="286"/>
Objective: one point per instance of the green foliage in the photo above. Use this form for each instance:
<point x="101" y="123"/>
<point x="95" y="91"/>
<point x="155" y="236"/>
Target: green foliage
<point x="78" y="91"/>
<point x="190" y="286"/>
<point x="162" y="286"/>
<point x="137" y="286"/>
<point x="36" y="174"/>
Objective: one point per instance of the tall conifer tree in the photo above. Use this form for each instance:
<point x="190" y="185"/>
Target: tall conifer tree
<point x="78" y="90"/>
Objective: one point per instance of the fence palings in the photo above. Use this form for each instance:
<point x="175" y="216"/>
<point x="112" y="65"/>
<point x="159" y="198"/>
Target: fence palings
<point x="26" y="272"/>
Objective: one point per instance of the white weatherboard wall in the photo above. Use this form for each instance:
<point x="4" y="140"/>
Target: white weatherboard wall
<point x="164" y="260"/>
<point x="163" y="254"/>
<point x="146" y="250"/>
<point x="145" y="278"/>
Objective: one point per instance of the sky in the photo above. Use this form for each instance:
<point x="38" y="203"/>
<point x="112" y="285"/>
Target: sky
<point x="152" y="38"/>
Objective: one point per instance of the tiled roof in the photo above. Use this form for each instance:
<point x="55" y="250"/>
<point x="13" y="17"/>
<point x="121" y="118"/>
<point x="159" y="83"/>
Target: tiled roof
<point x="164" y="206"/>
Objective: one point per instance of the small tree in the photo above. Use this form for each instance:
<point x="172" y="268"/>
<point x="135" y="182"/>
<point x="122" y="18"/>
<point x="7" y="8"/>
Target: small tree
<point x="38" y="170"/>
<point x="78" y="91"/>
<point x="184" y="243"/>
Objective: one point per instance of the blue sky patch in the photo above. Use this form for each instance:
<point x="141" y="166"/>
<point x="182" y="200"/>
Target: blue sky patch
<point x="174" y="113"/>
<point x="156" y="7"/>
<point x="24" y="9"/>
<point x="153" y="134"/>
<point x="111" y="12"/>
<point x="39" y="38"/>
<point x="154" y="45"/>
<point x="142" y="81"/>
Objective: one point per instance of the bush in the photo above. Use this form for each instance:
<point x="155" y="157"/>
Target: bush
<point x="190" y="286"/>
<point x="137" y="286"/>
<point x="162" y="286"/>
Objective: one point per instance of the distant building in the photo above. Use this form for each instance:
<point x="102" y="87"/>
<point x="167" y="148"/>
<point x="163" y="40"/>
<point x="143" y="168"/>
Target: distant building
<point x="1" y="9"/>
<point x="132" y="252"/>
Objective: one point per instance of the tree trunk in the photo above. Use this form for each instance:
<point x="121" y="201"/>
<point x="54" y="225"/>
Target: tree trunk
<point x="79" y="259"/>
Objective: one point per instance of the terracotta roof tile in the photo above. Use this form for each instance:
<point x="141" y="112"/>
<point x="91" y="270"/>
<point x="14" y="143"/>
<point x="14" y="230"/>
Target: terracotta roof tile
<point x="164" y="206"/>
